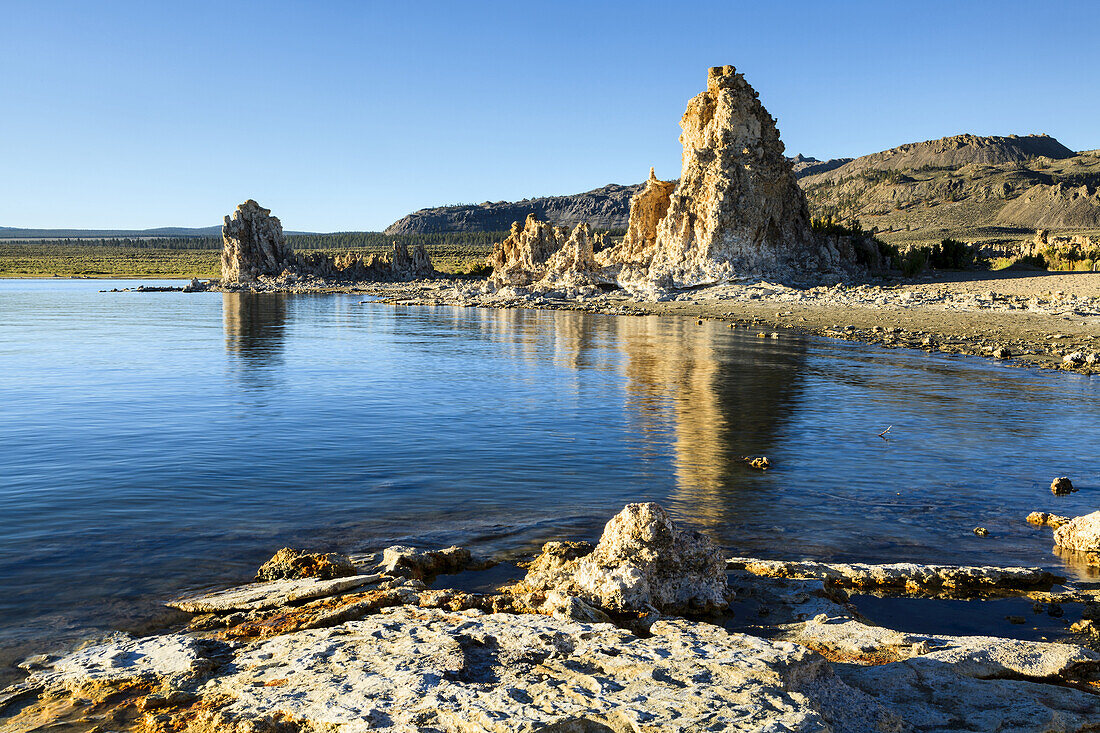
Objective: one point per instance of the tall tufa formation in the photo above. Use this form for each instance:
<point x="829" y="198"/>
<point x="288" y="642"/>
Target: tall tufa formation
<point x="737" y="210"/>
<point x="253" y="245"/>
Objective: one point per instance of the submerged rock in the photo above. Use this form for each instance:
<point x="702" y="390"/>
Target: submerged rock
<point x="1080" y="533"/>
<point x="288" y="564"/>
<point x="421" y="564"/>
<point x="1046" y="518"/>
<point x="272" y="594"/>
<point x="641" y="563"/>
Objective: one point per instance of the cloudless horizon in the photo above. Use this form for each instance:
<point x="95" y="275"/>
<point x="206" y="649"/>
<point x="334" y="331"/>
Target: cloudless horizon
<point x="344" y="116"/>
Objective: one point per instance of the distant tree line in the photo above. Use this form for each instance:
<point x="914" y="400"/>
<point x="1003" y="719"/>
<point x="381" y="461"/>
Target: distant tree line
<point x="338" y="241"/>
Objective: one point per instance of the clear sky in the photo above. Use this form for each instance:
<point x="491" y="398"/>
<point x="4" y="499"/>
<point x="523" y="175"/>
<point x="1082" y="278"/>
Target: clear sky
<point x="347" y="115"/>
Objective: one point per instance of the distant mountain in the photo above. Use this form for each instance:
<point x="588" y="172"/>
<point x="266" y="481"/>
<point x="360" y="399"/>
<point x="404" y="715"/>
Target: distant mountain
<point x="607" y="207"/>
<point x="963" y="185"/>
<point x="805" y="166"/>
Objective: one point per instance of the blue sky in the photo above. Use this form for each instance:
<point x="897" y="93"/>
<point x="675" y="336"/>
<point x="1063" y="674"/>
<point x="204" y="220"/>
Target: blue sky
<point x="347" y="115"/>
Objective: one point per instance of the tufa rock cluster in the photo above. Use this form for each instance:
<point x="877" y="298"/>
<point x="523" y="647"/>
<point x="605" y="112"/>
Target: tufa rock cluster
<point x="254" y="251"/>
<point x="737" y="211"/>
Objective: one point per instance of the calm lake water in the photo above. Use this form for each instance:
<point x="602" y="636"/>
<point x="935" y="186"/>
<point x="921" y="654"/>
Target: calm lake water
<point x="157" y="442"/>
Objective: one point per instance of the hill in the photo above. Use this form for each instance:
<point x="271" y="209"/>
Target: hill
<point x="966" y="186"/>
<point x="607" y="207"/>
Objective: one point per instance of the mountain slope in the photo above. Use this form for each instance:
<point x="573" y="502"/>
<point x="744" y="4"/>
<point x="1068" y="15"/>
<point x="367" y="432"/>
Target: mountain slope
<point x="961" y="184"/>
<point x="605" y="208"/>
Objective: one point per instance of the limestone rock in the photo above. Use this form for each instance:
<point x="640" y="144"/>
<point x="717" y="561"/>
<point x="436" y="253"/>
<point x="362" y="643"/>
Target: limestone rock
<point x="1046" y="518"/>
<point x="635" y="252"/>
<point x="253" y="245"/>
<point x="738" y="210"/>
<point x="415" y="669"/>
<point x="545" y="255"/>
<point x="642" y="562"/>
<point x="288" y="564"/>
<point x="1061" y="486"/>
<point x="1080" y="533"/>
<point x="420" y="564"/>
<point x="574" y="264"/>
<point x="909" y="578"/>
<point x="987" y="657"/>
<point x="272" y="594"/>
<point x="521" y="258"/>
<point x="254" y="250"/>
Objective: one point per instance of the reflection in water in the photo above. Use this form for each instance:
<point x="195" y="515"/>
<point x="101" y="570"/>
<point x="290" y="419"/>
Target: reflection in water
<point x="720" y="408"/>
<point x="255" y="326"/>
<point x="717" y="397"/>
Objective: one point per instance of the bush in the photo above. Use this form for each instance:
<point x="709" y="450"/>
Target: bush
<point x="951" y="254"/>
<point x="913" y="262"/>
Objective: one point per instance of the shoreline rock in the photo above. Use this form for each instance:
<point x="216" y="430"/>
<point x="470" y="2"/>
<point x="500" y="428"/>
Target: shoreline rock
<point x="386" y="651"/>
<point x="642" y="563"/>
<point x="906" y="578"/>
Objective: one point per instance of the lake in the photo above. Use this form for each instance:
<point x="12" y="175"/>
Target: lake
<point x="152" y="443"/>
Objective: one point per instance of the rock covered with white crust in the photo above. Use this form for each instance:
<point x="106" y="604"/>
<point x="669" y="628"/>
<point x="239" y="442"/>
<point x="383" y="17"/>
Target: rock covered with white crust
<point x="643" y="562"/>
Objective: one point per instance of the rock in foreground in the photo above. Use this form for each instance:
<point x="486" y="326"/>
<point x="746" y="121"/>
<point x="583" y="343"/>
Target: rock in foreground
<point x="642" y="563"/>
<point x="289" y="564"/>
<point x="1080" y="533"/>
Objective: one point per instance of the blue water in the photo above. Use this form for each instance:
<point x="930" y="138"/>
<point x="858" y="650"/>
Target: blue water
<point x="157" y="442"/>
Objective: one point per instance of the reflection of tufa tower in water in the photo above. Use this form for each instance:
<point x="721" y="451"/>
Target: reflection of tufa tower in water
<point x="725" y="403"/>
<point x="254" y="324"/>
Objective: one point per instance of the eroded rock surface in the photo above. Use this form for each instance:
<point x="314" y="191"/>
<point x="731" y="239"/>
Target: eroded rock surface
<point x="1047" y="519"/>
<point x="632" y="256"/>
<point x="641" y="563"/>
<point x="1080" y="533"/>
<point x="409" y="562"/>
<point x="290" y="564"/>
<point x="904" y="577"/>
<point x="273" y="594"/>
<point x="253" y="245"/>
<point x="255" y="253"/>
<point x="543" y="254"/>
<point x="738" y="210"/>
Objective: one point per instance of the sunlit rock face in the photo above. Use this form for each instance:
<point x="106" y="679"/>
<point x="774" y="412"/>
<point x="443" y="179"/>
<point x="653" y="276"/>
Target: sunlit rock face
<point x="253" y="245"/>
<point x="643" y="562"/>
<point x="631" y="257"/>
<point x="543" y="254"/>
<point x="737" y="210"/>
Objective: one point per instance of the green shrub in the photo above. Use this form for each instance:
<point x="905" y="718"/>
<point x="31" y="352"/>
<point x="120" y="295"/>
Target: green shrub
<point x="914" y="261"/>
<point x="951" y="254"/>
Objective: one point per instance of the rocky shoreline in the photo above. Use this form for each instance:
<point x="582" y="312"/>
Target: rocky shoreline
<point x="625" y="635"/>
<point x="1044" y="320"/>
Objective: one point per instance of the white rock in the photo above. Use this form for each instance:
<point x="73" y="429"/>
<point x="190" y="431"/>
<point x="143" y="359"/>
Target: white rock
<point x="1080" y="533"/>
<point x="273" y="594"/>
